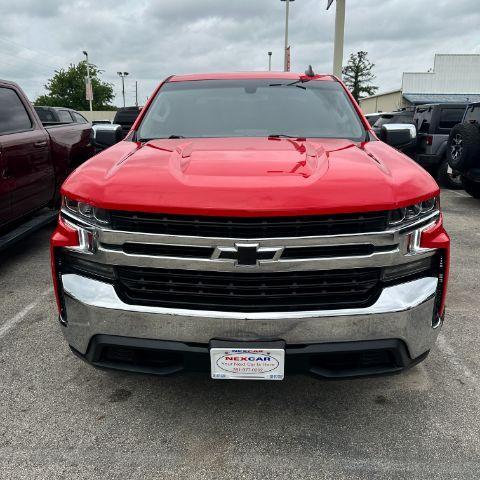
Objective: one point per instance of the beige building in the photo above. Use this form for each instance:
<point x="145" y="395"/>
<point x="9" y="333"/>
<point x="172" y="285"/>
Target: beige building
<point x="99" y="115"/>
<point x="454" y="78"/>
<point x="383" y="102"/>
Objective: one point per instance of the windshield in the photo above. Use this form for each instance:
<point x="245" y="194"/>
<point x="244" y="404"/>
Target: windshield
<point x="251" y="108"/>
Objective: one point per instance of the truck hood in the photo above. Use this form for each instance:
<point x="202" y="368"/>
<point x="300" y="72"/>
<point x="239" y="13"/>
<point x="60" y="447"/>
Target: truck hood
<point x="250" y="176"/>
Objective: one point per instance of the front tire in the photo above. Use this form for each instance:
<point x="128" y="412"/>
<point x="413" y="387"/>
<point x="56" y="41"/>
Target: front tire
<point x="471" y="187"/>
<point x="448" y="178"/>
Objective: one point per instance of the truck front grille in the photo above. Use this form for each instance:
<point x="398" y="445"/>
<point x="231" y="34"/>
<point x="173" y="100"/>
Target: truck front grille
<point x="248" y="292"/>
<point x="251" y="227"/>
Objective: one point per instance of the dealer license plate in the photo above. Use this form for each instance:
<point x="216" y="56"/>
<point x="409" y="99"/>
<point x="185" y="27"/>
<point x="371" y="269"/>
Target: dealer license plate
<point x="247" y="364"/>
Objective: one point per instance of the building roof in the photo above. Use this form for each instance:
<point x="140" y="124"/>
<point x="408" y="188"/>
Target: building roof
<point x="452" y="75"/>
<point x="423" y="98"/>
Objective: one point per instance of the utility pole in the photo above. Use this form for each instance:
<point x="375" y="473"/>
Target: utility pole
<point x="136" y="93"/>
<point x="269" y="61"/>
<point x="89" y="89"/>
<point x="286" y="52"/>
<point x="122" y="75"/>
<point x="339" y="36"/>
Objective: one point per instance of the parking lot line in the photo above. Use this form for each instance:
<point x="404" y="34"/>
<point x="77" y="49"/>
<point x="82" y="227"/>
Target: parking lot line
<point x="12" y="322"/>
<point x="449" y="353"/>
<point x="460" y="194"/>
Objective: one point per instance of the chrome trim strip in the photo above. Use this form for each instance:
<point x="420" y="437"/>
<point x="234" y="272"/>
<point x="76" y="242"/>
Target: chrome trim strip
<point x="377" y="259"/>
<point x="398" y="298"/>
<point x="106" y="248"/>
<point x="116" y="237"/>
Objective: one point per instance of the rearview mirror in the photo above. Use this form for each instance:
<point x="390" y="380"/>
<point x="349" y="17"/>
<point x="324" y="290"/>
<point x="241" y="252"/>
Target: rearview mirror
<point x="399" y="135"/>
<point x="105" y="135"/>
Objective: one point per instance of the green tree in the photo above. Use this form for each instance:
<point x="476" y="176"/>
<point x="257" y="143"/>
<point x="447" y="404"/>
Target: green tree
<point x="358" y="74"/>
<point x="67" y="89"/>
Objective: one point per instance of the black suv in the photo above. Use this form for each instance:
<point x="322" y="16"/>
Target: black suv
<point x="126" y="117"/>
<point x="463" y="150"/>
<point x="434" y="123"/>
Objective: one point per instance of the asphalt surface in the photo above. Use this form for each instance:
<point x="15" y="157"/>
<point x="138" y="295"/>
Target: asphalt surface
<point x="60" y="418"/>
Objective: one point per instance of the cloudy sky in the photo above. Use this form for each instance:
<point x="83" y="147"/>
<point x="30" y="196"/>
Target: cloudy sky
<point x="155" y="38"/>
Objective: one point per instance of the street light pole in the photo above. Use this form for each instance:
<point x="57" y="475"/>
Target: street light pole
<point x="339" y="36"/>
<point x="285" y="62"/>
<point x="122" y="75"/>
<point x="269" y="61"/>
<point x="89" y="82"/>
<point x="287" y="11"/>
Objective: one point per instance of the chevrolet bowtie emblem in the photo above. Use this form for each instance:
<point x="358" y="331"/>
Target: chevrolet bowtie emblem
<point x="247" y="254"/>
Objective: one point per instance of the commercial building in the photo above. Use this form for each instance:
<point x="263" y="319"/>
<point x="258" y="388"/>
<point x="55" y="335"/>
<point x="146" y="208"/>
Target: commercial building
<point x="454" y="78"/>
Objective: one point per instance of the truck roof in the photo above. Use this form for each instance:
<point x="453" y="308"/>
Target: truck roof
<point x="8" y="82"/>
<point x="53" y="108"/>
<point x="245" y="76"/>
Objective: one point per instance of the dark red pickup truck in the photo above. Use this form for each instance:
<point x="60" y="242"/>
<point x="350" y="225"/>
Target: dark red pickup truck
<point x="34" y="161"/>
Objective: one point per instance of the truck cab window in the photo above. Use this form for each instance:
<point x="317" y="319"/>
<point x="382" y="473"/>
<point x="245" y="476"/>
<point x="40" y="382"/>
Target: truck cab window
<point x="14" y="117"/>
<point x="64" y="116"/>
<point x="78" y="118"/>
<point x="45" y="114"/>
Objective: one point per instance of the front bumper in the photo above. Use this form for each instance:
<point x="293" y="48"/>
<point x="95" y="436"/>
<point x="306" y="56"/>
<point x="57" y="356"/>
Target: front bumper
<point x="402" y="314"/>
<point x="326" y="360"/>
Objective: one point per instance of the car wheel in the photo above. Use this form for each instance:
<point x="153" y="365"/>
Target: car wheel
<point x="463" y="148"/>
<point x="447" y="177"/>
<point x="471" y="187"/>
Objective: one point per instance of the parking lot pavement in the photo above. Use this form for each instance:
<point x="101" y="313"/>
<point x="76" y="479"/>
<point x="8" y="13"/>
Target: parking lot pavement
<point x="60" y="418"/>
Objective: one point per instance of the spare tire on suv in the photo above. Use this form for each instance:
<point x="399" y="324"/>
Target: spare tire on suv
<point x="463" y="147"/>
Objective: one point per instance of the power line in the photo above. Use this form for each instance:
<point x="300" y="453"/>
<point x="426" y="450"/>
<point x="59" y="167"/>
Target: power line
<point x="39" y="52"/>
<point x="12" y="64"/>
<point x="29" y="60"/>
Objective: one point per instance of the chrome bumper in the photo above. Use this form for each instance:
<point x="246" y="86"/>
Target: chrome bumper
<point x="401" y="312"/>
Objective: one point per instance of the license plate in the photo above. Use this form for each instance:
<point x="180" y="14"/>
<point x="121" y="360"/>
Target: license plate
<point x="247" y="364"/>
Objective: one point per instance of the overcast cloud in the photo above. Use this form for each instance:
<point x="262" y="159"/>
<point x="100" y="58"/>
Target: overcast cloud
<point x="154" y="39"/>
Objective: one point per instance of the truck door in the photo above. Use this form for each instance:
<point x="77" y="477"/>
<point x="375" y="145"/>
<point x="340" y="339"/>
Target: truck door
<point x="25" y="152"/>
<point x="5" y="194"/>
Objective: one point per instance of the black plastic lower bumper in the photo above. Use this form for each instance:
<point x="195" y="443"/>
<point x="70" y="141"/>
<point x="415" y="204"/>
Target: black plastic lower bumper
<point x="428" y="160"/>
<point x="473" y="174"/>
<point x="326" y="360"/>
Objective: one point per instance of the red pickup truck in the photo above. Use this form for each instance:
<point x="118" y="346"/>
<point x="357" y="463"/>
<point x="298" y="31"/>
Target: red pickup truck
<point x="34" y="161"/>
<point x="252" y="225"/>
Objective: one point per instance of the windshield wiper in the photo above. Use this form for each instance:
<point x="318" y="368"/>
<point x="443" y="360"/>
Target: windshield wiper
<point x="143" y="140"/>
<point x="293" y="84"/>
<point x="283" y="135"/>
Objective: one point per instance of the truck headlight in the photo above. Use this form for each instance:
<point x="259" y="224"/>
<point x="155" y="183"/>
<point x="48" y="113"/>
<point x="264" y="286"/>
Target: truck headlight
<point x="403" y="217"/>
<point x="85" y="211"/>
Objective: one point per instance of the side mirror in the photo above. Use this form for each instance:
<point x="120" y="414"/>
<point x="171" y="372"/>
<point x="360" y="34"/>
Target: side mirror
<point x="399" y="135"/>
<point x="105" y="135"/>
